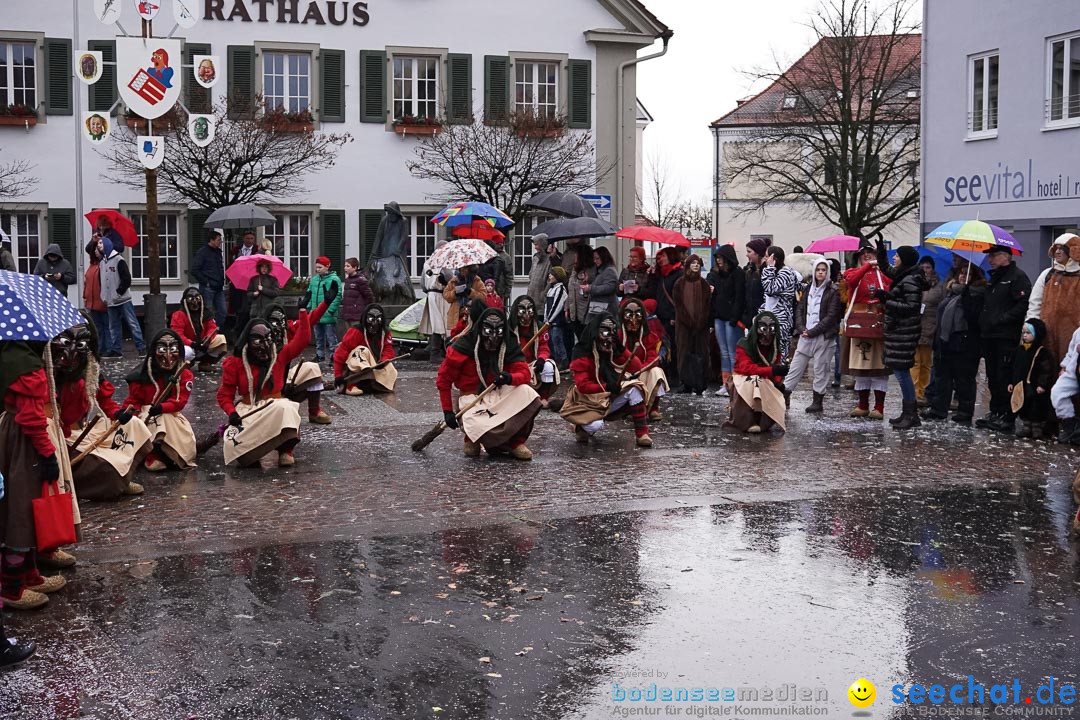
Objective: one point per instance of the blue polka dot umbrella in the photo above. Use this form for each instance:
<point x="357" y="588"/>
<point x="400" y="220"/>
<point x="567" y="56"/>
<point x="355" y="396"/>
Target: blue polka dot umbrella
<point x="33" y="310"/>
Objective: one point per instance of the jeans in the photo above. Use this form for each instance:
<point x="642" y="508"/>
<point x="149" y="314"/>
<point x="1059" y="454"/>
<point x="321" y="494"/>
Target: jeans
<point x="215" y="299"/>
<point x="101" y="324"/>
<point x="119" y="315"/>
<point x="907" y="385"/>
<point x="325" y="340"/>
<point x="558" y="345"/>
<point x="726" y="337"/>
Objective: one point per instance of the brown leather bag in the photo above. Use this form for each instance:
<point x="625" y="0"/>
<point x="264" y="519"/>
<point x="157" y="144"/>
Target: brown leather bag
<point x="865" y="325"/>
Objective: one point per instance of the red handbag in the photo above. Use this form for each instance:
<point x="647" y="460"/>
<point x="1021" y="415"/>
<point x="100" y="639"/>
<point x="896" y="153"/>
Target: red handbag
<point x="54" y="520"/>
<point x="868" y="325"/>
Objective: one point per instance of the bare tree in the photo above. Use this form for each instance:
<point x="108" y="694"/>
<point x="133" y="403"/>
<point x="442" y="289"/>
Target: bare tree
<point x="247" y="162"/>
<point x="506" y="164"/>
<point x="696" y="216"/>
<point x="660" y="202"/>
<point x="844" y="141"/>
<point x="16" y="179"/>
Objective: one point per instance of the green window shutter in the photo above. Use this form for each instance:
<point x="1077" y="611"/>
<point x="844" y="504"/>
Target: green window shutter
<point x="496" y="89"/>
<point x="62" y="231"/>
<point x="241" y="81"/>
<point x="196" y="97"/>
<point x="459" y="109"/>
<point x="369" y="226"/>
<point x="332" y="85"/>
<point x="579" y="95"/>
<point x="332" y="237"/>
<point x="197" y="235"/>
<point x="58" y="71"/>
<point x="103" y="92"/>
<point x="372" y="86"/>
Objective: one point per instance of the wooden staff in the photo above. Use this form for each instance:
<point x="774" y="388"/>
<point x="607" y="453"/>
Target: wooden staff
<point x="116" y="423"/>
<point x="438" y="430"/>
<point x="86" y="431"/>
<point x="358" y="375"/>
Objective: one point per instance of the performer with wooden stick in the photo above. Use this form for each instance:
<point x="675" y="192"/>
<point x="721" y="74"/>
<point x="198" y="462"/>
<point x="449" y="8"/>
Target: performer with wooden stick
<point x="503" y="419"/>
<point x="260" y="419"/>
<point x="305" y="381"/>
<point x="365" y="345"/>
<point x="195" y="325"/>
<point x="545" y="375"/>
<point x="758" y="377"/>
<point x="644" y="345"/>
<point x="605" y="382"/>
<point x="159" y="390"/>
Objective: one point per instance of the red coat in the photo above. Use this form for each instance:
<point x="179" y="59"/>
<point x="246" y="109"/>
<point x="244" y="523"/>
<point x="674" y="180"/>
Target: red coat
<point x="234" y="381"/>
<point x="180" y="323"/>
<point x="859" y="281"/>
<point x="28" y="395"/>
<point x="74" y="405"/>
<point x="585" y="375"/>
<point x="647" y="350"/>
<point x="460" y="370"/>
<point x="353" y="339"/>
<point x="541" y="348"/>
<point x="141" y="394"/>
<point x="744" y="365"/>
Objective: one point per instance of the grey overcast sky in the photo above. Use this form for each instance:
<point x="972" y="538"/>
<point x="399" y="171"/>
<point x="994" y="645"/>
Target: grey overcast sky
<point x="701" y="77"/>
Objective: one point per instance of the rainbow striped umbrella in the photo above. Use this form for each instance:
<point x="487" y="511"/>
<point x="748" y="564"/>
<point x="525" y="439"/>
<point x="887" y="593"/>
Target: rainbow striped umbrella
<point x="972" y="236"/>
<point x="465" y="213"/>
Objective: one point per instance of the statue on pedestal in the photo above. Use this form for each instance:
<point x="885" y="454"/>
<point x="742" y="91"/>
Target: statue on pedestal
<point x="387" y="270"/>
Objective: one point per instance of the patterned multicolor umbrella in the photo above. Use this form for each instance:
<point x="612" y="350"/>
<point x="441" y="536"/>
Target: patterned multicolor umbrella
<point x="972" y="236"/>
<point x="33" y="310"/>
<point x="459" y="253"/>
<point x="464" y="213"/>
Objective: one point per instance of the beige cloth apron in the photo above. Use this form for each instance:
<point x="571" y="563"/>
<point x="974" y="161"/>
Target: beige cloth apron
<point x="106" y="471"/>
<point x="653" y="379"/>
<point x="361" y="359"/>
<point x="173" y="433"/>
<point x="757" y="394"/>
<point x="499" y="416"/>
<point x="217" y="345"/>
<point x="264" y="431"/>
<point x="583" y="408"/>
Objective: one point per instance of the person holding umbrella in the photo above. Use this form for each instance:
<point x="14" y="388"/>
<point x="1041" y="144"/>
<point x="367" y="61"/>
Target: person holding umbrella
<point x="262" y="291"/>
<point x="463" y="289"/>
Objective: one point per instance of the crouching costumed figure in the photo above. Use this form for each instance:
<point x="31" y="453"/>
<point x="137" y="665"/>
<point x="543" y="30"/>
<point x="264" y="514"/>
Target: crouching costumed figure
<point x="365" y="347"/>
<point x="198" y="330"/>
<point x="545" y="375"/>
<point x="759" y="401"/>
<point x="644" y="346"/>
<point x="305" y="380"/>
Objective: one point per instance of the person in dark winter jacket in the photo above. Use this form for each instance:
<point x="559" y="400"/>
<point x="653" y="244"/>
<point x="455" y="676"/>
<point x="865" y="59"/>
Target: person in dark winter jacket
<point x="1002" y="317"/>
<point x="903" y="301"/>
<point x="208" y="269"/>
<point x="637" y="279"/>
<point x="817" y="321"/>
<point x="262" y="292"/>
<point x="755" y="293"/>
<point x="956" y="345"/>
<point x="668" y="271"/>
<point x="356" y="293"/>
<point x="56" y="269"/>
<point x="728" y="283"/>
<point x="1033" y="369"/>
<point x="604" y="286"/>
<point x="924" y="354"/>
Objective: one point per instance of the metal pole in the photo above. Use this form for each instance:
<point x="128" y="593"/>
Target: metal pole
<point x="153" y="302"/>
<point x="80" y="259"/>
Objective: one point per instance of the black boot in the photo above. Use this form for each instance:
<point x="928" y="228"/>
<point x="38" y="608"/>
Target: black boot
<point x="815" y="407"/>
<point x="909" y="418"/>
<point x="1023" y="429"/>
<point x="1066" y="430"/>
<point x="12" y="653"/>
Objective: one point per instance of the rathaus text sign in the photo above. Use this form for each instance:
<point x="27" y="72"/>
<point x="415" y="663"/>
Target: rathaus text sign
<point x="295" y="12"/>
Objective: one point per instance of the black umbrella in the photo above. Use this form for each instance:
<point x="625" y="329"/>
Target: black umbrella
<point x="562" y="203"/>
<point x="582" y="227"/>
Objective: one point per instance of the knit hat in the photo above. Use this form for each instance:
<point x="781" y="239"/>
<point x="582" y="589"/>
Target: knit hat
<point x="650" y="306"/>
<point x="323" y="260"/>
<point x="490" y="282"/>
<point x="759" y="245"/>
<point x="926" y="259"/>
<point x="559" y="273"/>
<point x="909" y="256"/>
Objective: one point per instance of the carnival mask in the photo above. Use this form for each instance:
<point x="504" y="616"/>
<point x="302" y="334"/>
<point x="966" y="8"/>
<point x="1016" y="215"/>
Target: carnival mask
<point x="193" y="303"/>
<point x="71" y="352"/>
<point x="492" y="330"/>
<point x="260" y="342"/>
<point x="605" y="336"/>
<point x="633" y="315"/>
<point x="766" y="331"/>
<point x="526" y="311"/>
<point x="278" y="327"/>
<point x="373" y="320"/>
<point x="166" y="353"/>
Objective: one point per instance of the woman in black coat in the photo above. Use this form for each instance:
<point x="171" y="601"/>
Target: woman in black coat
<point x="903" y="325"/>
<point x="728" y="282"/>
<point x="957" y="345"/>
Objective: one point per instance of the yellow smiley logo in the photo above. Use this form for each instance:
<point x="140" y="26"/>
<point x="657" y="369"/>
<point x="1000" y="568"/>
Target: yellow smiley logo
<point x="862" y="693"/>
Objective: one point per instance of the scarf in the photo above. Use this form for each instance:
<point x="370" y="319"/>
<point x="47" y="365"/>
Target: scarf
<point x="666" y="270"/>
<point x="953" y="319"/>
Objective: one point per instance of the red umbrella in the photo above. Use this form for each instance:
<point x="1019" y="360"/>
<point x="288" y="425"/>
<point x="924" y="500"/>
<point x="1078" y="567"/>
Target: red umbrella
<point x="649" y="233"/>
<point x="244" y="268"/>
<point x="478" y="230"/>
<point x="120" y="223"/>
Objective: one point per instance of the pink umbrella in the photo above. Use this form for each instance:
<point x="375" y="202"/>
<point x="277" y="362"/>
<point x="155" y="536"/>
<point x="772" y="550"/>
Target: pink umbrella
<point x="649" y="233"/>
<point x="835" y="243"/>
<point x="244" y="268"/>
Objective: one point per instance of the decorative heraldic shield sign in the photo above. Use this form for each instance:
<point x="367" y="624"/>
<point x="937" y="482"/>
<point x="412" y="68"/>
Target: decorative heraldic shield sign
<point x="148" y="75"/>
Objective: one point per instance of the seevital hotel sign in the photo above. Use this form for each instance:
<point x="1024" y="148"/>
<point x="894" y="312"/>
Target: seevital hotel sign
<point x="295" y="12"/>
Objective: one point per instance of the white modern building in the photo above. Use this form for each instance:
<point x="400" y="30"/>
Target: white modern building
<point x="1001" y="118"/>
<point x="356" y="66"/>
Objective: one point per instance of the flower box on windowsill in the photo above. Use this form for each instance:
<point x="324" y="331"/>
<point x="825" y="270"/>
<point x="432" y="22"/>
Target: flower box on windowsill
<point x="411" y="129"/>
<point x="290" y="126"/>
<point x="541" y="133"/>
<point x="26" y="121"/>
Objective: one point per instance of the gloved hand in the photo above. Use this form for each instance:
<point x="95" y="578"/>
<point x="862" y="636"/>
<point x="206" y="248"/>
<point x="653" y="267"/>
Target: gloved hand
<point x="781" y="387"/>
<point x="198" y="348"/>
<point x="235" y="420"/>
<point x="331" y="292"/>
<point x="780" y="370"/>
<point x="538" y="365"/>
<point x="154" y="410"/>
<point x="503" y="378"/>
<point x="123" y="415"/>
<point x="339" y="384"/>
<point x="305" y="299"/>
<point x="450" y="419"/>
<point x="49" y="468"/>
<point x="882" y="295"/>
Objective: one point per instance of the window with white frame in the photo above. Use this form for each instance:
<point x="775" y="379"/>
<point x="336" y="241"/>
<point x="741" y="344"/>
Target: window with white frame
<point x="416" y="87"/>
<point x="291" y="236"/>
<point x="536" y="86"/>
<point x="1063" y="84"/>
<point x="24" y="229"/>
<point x="168" y="247"/>
<point x="286" y="81"/>
<point x="18" y="74"/>
<point x="425" y="234"/>
<point x="983" y="73"/>
<point x="522" y="246"/>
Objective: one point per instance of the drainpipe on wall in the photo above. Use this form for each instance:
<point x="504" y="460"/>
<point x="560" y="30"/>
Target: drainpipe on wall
<point x="716" y="183"/>
<point x="80" y="259"/>
<point x="619" y="176"/>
